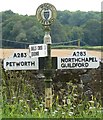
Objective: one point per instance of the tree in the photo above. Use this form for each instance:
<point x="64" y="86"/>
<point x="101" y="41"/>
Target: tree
<point x="57" y="32"/>
<point x="16" y="28"/>
<point x="92" y="32"/>
<point x="68" y="26"/>
<point x="21" y="37"/>
<point x="77" y="33"/>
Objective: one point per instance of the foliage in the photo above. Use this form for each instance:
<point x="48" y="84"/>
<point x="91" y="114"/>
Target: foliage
<point x="68" y="26"/>
<point x="23" y="97"/>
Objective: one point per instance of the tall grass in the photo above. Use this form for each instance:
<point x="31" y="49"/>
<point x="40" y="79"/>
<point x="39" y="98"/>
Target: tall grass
<point x="21" y="99"/>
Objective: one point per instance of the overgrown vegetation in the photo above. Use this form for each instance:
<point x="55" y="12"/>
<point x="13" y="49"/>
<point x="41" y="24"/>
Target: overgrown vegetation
<point x="69" y="26"/>
<point x="23" y="95"/>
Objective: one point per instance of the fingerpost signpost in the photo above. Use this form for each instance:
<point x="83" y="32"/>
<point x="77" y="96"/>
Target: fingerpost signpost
<point x="46" y="14"/>
<point x="39" y="55"/>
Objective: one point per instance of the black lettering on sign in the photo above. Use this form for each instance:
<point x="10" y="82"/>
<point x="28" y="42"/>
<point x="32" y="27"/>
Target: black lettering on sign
<point x="74" y="65"/>
<point x="33" y="48"/>
<point x="7" y="63"/>
<point x="20" y="55"/>
<point x="79" y="53"/>
<point x="39" y="47"/>
<point x="74" y="54"/>
<point x="15" y="55"/>
<point x="35" y="53"/>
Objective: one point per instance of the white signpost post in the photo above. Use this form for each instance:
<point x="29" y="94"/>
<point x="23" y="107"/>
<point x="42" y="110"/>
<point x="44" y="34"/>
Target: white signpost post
<point x="21" y="61"/>
<point x="78" y="60"/>
<point x="38" y="50"/>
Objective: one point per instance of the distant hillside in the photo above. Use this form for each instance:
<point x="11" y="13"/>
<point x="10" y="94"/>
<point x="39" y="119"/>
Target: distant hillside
<point x="68" y="26"/>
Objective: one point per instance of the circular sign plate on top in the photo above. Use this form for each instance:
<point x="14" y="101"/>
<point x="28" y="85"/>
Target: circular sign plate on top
<point x="46" y="14"/>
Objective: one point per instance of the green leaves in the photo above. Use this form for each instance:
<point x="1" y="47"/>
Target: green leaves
<point x="68" y="26"/>
<point x="23" y="96"/>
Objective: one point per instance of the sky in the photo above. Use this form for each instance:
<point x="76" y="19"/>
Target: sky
<point x="28" y="7"/>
